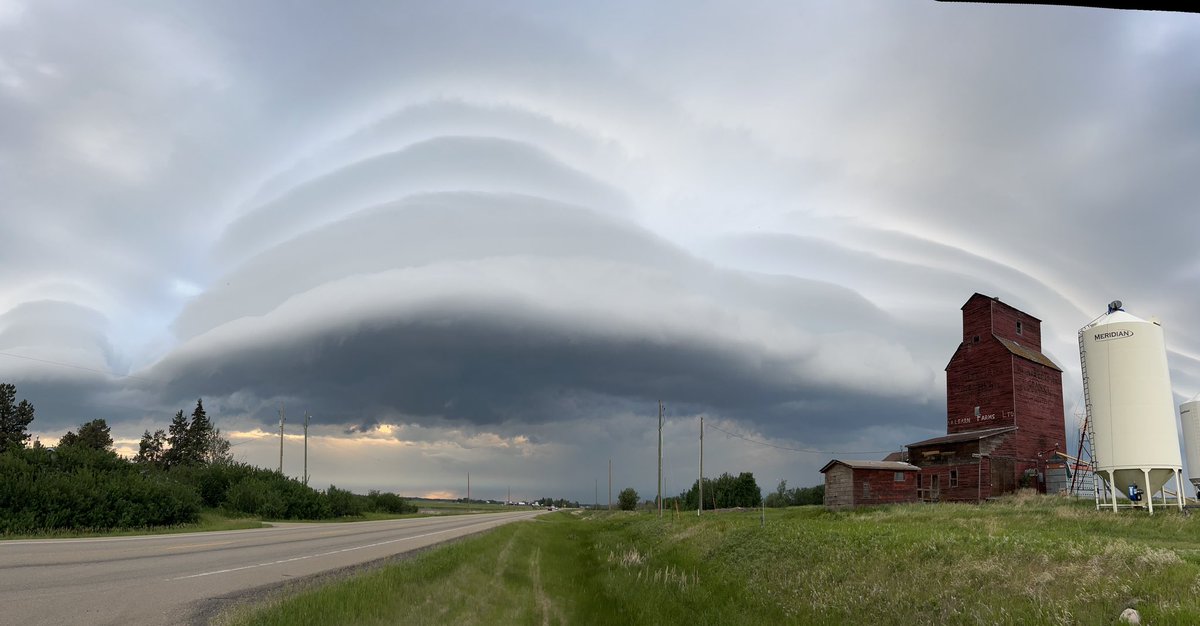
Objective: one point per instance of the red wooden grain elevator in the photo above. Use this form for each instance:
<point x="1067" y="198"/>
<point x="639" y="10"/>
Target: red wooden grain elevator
<point x="1004" y="420"/>
<point x="1004" y="409"/>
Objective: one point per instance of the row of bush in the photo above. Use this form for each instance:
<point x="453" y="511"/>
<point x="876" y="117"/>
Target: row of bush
<point x="82" y="488"/>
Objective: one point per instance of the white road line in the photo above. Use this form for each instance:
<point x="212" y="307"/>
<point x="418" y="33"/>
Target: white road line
<point x="313" y="556"/>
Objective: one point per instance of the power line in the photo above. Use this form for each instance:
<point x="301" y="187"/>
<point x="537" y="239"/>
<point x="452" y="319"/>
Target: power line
<point x="808" y="450"/>
<point x="77" y="367"/>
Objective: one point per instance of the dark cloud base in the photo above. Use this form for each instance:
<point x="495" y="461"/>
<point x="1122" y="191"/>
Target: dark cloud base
<point x="482" y="370"/>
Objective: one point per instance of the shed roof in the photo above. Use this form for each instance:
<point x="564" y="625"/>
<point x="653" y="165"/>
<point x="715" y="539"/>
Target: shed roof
<point x="891" y="466"/>
<point x="974" y="435"/>
<point x="1029" y="354"/>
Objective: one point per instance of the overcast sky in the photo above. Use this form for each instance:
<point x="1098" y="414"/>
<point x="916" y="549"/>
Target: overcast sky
<point x="489" y="237"/>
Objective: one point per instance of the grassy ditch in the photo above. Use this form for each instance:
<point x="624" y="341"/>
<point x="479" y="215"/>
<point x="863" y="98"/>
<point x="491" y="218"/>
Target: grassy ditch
<point x="1025" y="560"/>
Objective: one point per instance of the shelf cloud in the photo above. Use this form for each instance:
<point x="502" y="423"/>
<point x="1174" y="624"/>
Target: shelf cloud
<point x="465" y="236"/>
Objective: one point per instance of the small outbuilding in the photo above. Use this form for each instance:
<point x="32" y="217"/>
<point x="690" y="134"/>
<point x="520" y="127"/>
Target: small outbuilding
<point x="970" y="466"/>
<point x="867" y="483"/>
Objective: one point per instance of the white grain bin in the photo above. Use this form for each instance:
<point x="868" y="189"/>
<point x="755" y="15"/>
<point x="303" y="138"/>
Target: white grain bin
<point x="1131" y="408"/>
<point x="1189" y="415"/>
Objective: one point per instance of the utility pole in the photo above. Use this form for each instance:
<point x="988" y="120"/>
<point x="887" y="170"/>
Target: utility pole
<point x="281" y="438"/>
<point x="596" y="502"/>
<point x="610" y="484"/>
<point x="306" y="448"/>
<point x="660" y="459"/>
<point x="700" y="483"/>
<point x="468" y="488"/>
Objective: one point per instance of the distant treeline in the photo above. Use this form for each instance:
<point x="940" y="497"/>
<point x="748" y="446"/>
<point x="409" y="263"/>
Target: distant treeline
<point x="729" y="491"/>
<point x="798" y="496"/>
<point x="81" y="484"/>
<point x="723" y="492"/>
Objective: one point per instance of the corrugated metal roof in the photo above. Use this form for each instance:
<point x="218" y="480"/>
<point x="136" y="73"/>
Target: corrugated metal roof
<point x="1028" y="354"/>
<point x="960" y="437"/>
<point x="894" y="466"/>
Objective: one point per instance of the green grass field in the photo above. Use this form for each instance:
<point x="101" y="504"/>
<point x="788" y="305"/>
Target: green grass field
<point x="446" y="507"/>
<point x="1023" y="560"/>
<point x="425" y="508"/>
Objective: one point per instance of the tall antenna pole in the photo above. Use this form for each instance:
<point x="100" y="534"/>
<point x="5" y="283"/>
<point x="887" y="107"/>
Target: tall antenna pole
<point x="700" y="482"/>
<point x="610" y="484"/>
<point x="281" y="438"/>
<point x="306" y="448"/>
<point x="660" y="458"/>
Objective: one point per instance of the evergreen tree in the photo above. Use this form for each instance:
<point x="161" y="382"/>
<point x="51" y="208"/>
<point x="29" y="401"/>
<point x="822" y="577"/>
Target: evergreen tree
<point x="199" y="436"/>
<point x="206" y="445"/>
<point x="151" y="448"/>
<point x="14" y="418"/>
<point x="94" y="434"/>
<point x="68" y="439"/>
<point x="178" y="440"/>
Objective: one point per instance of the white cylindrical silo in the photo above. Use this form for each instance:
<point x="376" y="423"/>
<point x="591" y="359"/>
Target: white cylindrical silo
<point x="1131" y="407"/>
<point x="1189" y="416"/>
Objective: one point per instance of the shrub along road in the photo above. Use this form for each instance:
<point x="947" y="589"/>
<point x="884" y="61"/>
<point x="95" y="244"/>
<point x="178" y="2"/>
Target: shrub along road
<point x="168" y="579"/>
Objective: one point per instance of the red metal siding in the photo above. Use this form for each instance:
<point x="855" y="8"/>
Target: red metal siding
<point x="1039" y="401"/>
<point x="872" y="486"/>
<point x="979" y="375"/>
<point x="985" y="316"/>
<point x="1004" y="324"/>
<point x="968" y="484"/>
<point x="977" y="318"/>
<point x="1008" y="391"/>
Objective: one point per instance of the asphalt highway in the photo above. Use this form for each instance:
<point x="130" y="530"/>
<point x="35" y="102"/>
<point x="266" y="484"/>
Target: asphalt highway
<point x="171" y="579"/>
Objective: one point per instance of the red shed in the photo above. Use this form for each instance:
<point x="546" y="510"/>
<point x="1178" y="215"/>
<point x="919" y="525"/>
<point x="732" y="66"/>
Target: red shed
<point x="965" y="467"/>
<point x="866" y="483"/>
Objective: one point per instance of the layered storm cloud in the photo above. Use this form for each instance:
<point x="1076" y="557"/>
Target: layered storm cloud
<point x="483" y="280"/>
<point x="467" y="236"/>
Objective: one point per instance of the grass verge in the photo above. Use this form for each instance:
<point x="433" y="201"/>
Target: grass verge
<point x="218" y="519"/>
<point x="210" y="520"/>
<point x="1024" y="560"/>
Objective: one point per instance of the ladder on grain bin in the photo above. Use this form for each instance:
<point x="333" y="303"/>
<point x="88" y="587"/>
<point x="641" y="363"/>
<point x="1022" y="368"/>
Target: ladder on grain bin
<point x="1086" y="436"/>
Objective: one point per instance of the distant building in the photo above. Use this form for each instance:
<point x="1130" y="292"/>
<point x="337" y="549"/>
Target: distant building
<point x="866" y="483"/>
<point x="1004" y="419"/>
